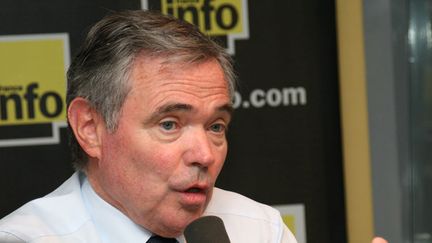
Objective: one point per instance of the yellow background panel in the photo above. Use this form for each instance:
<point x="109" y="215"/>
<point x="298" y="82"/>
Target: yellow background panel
<point x="289" y="220"/>
<point x="217" y="5"/>
<point x="40" y="61"/>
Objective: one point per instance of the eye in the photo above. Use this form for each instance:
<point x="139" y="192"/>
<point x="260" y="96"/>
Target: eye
<point x="217" y="128"/>
<point x="168" y="125"/>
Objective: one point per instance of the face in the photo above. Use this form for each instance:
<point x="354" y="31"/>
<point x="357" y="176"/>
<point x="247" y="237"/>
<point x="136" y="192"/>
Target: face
<point x="160" y="165"/>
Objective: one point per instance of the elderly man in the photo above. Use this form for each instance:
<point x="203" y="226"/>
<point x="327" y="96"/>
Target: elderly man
<point x="149" y="102"/>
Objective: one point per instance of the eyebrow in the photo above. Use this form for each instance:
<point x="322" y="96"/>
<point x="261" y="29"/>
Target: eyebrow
<point x="228" y="108"/>
<point x="173" y="108"/>
<point x="181" y="107"/>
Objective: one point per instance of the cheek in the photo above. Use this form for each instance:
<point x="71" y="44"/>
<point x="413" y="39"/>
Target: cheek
<point x="113" y="164"/>
<point x="158" y="161"/>
<point x="135" y="150"/>
<point x="220" y="156"/>
<point x="114" y="147"/>
<point x="119" y="160"/>
<point x="130" y="168"/>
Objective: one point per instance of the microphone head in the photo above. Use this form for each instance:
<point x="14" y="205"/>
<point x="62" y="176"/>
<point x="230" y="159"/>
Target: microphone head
<point x="207" y="229"/>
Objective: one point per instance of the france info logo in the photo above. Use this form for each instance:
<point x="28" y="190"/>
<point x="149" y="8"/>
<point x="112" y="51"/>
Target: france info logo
<point x="226" y="20"/>
<point x="32" y="88"/>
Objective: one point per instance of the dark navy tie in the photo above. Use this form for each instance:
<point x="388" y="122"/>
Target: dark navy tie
<point x="159" y="239"/>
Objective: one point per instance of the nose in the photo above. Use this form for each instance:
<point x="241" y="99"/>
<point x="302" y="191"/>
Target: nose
<point x="199" y="149"/>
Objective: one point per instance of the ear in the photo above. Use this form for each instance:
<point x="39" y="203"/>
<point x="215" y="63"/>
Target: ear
<point x="87" y="126"/>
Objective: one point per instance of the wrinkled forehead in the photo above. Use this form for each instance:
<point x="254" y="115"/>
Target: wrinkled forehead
<point x="199" y="88"/>
<point x="148" y="68"/>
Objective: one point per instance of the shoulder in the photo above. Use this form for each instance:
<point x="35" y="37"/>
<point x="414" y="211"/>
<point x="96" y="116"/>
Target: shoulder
<point x="58" y="213"/>
<point x="231" y="203"/>
<point x="247" y="220"/>
<point x="8" y="237"/>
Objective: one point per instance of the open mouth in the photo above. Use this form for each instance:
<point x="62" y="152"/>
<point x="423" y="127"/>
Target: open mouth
<point x="194" y="197"/>
<point x="195" y="190"/>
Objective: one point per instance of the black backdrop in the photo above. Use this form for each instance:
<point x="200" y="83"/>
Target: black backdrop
<point x="281" y="152"/>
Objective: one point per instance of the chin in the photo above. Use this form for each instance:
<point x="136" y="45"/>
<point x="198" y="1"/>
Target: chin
<point x="173" y="225"/>
<point x="173" y="230"/>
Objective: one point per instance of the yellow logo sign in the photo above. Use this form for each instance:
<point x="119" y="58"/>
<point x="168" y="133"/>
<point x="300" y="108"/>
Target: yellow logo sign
<point x="32" y="79"/>
<point x="214" y="17"/>
<point x="293" y="215"/>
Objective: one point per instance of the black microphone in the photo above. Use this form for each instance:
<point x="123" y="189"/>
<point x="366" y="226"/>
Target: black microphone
<point x="207" y="229"/>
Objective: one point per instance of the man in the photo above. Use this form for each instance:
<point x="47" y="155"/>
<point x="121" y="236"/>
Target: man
<point x="149" y="101"/>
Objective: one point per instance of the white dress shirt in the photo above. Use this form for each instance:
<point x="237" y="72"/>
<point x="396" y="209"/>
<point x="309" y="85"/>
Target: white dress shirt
<point x="75" y="213"/>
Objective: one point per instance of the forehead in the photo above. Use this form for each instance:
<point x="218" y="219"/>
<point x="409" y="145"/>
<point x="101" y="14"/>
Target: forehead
<point x="203" y="78"/>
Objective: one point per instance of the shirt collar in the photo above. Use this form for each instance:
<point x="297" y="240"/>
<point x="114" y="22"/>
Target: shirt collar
<point x="111" y="224"/>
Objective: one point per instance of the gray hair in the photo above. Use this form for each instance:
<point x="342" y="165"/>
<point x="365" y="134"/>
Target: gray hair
<point x="100" y="71"/>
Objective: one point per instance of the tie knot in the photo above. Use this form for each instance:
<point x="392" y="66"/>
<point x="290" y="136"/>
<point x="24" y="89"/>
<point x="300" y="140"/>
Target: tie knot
<point x="160" y="239"/>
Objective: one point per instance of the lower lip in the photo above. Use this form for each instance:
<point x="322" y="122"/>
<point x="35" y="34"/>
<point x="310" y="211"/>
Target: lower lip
<point x="193" y="199"/>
